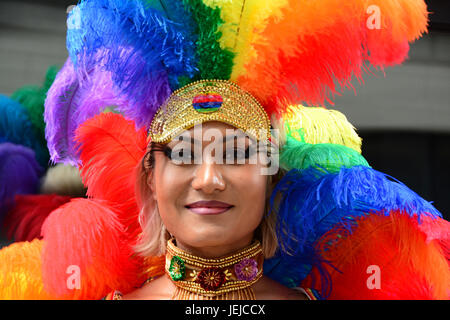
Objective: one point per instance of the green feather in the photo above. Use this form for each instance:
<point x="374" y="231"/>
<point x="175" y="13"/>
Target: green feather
<point x="301" y="155"/>
<point x="50" y="77"/>
<point x="213" y="61"/>
<point x="32" y="98"/>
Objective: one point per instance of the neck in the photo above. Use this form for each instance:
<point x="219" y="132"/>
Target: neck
<point x="210" y="252"/>
<point x="229" y="276"/>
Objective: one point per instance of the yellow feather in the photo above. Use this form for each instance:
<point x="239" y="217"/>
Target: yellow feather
<point x="241" y="18"/>
<point x="319" y="125"/>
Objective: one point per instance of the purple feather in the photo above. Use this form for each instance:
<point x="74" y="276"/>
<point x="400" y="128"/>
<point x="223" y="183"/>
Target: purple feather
<point x="19" y="173"/>
<point x="71" y="101"/>
<point x="77" y="96"/>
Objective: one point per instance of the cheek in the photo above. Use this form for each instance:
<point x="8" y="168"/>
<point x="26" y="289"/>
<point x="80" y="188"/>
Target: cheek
<point x="249" y="187"/>
<point x="169" y="187"/>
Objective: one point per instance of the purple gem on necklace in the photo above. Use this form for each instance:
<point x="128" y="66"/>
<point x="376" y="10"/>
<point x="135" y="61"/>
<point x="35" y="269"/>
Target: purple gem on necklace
<point x="246" y="269"/>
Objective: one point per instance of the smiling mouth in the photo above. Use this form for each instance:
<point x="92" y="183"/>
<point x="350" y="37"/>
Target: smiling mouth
<point x="209" y="207"/>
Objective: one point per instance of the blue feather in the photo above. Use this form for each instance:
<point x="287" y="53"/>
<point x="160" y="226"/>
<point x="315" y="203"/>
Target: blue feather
<point x="16" y="127"/>
<point x="175" y="11"/>
<point x="313" y="201"/>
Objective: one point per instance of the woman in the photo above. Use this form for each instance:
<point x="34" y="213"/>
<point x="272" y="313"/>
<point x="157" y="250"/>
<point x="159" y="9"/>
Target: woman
<point x="205" y="192"/>
<point x="212" y="210"/>
<point x="218" y="229"/>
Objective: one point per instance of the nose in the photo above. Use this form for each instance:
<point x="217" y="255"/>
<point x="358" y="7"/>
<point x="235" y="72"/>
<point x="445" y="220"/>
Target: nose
<point x="208" y="178"/>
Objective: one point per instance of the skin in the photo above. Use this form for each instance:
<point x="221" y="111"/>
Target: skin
<point x="241" y="185"/>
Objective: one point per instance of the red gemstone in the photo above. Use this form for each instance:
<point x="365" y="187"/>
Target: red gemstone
<point x="211" y="279"/>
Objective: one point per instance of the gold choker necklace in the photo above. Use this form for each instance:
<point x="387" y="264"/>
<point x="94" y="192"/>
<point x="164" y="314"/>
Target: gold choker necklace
<point x="225" y="278"/>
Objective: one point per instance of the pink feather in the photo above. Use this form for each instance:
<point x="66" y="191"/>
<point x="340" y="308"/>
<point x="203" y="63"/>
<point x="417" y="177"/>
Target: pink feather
<point x="85" y="241"/>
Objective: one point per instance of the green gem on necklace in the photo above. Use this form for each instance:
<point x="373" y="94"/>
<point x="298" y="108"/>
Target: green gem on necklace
<point x="176" y="269"/>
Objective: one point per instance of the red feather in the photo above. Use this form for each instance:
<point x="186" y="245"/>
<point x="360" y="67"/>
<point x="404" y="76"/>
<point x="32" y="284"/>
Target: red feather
<point x="24" y="221"/>
<point x="111" y="148"/>
<point x="439" y="230"/>
<point x="410" y="267"/>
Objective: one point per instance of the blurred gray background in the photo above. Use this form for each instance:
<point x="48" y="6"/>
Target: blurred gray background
<point x="403" y="115"/>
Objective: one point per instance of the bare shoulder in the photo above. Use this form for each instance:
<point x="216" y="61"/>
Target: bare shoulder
<point x="268" y="289"/>
<point x="265" y="289"/>
<point x="160" y="288"/>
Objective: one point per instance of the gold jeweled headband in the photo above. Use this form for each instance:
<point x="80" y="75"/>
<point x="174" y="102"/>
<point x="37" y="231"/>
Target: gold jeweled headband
<point x="209" y="100"/>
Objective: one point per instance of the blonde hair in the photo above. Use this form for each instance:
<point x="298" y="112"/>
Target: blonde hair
<point x="154" y="236"/>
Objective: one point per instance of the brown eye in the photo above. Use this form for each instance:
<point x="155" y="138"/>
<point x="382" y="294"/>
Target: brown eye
<point x="168" y="152"/>
<point x="234" y="155"/>
<point x="180" y="156"/>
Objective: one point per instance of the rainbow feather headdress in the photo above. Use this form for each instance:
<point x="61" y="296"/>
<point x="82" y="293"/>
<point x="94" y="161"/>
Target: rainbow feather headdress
<point x="135" y="55"/>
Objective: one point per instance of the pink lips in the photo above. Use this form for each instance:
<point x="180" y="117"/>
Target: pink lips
<point x="208" y="207"/>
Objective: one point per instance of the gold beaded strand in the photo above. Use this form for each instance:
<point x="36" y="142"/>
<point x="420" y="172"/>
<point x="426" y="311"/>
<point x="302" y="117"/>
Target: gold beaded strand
<point x="188" y="267"/>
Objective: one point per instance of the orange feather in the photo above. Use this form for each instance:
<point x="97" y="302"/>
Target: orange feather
<point x="20" y="272"/>
<point x="311" y="50"/>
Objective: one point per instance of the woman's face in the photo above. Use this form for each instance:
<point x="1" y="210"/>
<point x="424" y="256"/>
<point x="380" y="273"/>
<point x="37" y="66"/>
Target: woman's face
<point x="210" y="204"/>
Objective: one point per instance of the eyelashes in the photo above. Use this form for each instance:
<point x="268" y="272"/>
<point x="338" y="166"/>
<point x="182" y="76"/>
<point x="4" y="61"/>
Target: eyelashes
<point x="230" y="156"/>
